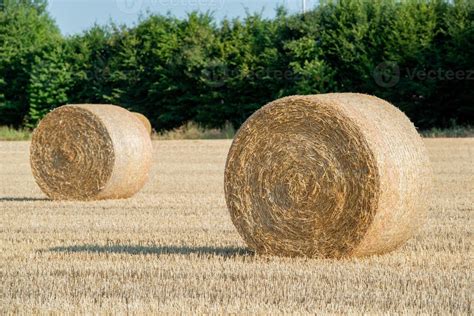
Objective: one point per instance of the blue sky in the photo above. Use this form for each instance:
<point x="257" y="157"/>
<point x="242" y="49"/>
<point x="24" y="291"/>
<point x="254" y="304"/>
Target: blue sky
<point x="74" y="16"/>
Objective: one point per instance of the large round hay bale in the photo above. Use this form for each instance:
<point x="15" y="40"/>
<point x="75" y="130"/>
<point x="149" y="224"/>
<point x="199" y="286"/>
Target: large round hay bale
<point x="90" y="152"/>
<point x="144" y="121"/>
<point x="327" y="176"/>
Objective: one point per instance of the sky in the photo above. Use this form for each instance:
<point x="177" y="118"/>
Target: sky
<point x="75" y="16"/>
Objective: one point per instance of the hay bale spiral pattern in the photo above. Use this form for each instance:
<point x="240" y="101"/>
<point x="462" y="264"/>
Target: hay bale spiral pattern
<point x="90" y="152"/>
<point x="327" y="176"/>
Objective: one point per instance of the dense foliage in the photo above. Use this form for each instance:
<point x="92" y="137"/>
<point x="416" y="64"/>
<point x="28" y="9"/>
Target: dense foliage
<point x="418" y="54"/>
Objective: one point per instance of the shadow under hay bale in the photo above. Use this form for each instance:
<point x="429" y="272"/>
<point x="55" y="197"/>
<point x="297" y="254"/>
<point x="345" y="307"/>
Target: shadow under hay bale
<point x="23" y="199"/>
<point x="327" y="176"/>
<point x="157" y="250"/>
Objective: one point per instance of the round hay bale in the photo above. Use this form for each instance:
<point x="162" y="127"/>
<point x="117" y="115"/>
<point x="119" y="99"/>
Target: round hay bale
<point x="327" y="176"/>
<point x="90" y="152"/>
<point x="144" y="121"/>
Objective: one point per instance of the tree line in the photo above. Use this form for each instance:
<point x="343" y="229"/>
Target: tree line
<point x="418" y="54"/>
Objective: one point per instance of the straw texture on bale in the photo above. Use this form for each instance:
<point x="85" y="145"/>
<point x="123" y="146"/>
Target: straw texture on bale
<point x="90" y="152"/>
<point x="327" y="176"/>
<point x="144" y="121"/>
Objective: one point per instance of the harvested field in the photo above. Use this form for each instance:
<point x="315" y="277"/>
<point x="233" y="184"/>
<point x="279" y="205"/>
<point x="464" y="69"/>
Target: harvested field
<point x="172" y="247"/>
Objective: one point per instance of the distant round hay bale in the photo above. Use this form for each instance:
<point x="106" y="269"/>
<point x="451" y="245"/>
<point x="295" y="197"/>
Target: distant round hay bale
<point x="144" y="121"/>
<point x="327" y="176"/>
<point x="90" y="152"/>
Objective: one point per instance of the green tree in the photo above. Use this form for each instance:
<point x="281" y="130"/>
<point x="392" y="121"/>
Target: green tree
<point x="89" y="55"/>
<point x="177" y="70"/>
<point x="50" y="80"/>
<point x="454" y="42"/>
<point x="25" y="28"/>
